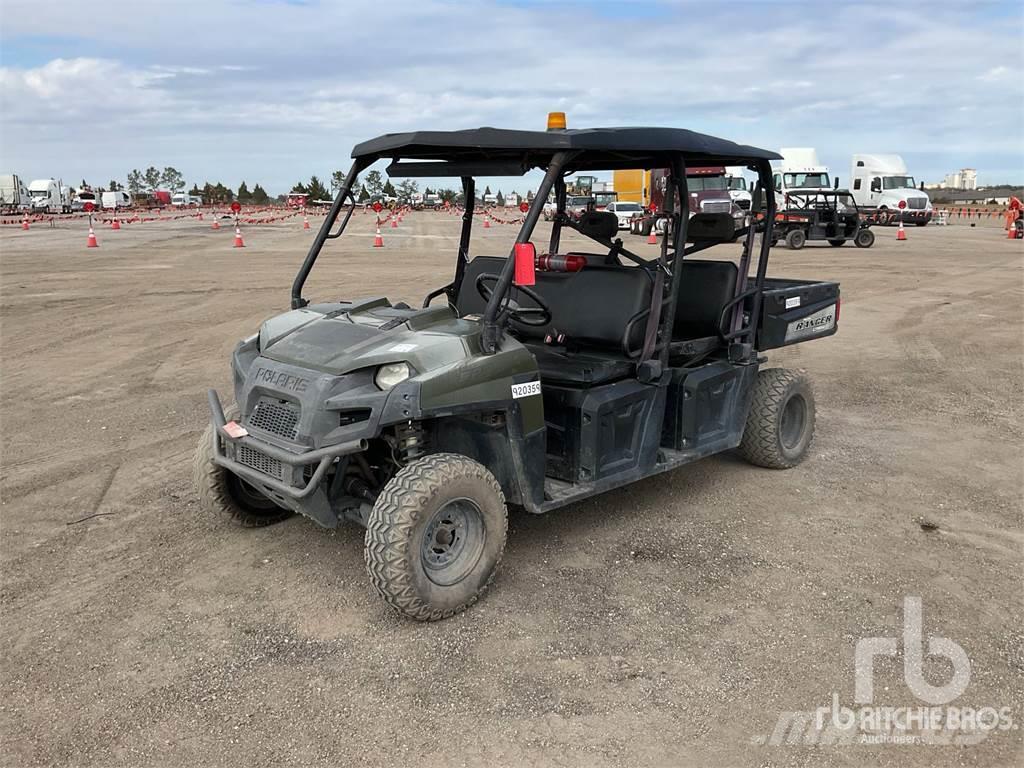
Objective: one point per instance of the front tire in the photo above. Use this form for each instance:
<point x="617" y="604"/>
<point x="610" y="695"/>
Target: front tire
<point x="865" y="239"/>
<point x="795" y="239"/>
<point x="435" y="536"/>
<point x="780" y="423"/>
<point x="224" y="493"/>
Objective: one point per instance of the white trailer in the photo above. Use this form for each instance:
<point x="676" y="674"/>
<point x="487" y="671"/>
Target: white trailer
<point x="13" y="194"/>
<point x="49" y="196"/>
<point x="879" y="183"/>
<point x="115" y="200"/>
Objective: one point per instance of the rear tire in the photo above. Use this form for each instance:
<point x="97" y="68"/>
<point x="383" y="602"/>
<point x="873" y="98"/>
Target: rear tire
<point x="224" y="493"/>
<point x="435" y="536"/>
<point x="780" y="423"/>
<point x="795" y="239"/>
<point x="865" y="239"/>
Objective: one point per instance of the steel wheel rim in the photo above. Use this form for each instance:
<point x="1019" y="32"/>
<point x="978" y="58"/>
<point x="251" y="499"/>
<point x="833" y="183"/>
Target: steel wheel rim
<point x="792" y="424"/>
<point x="453" y="542"/>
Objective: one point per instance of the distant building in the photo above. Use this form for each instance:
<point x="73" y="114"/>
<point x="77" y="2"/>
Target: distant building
<point x="965" y="178"/>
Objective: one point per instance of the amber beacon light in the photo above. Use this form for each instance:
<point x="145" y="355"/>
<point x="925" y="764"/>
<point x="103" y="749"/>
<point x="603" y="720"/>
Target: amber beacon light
<point x="556" y="121"/>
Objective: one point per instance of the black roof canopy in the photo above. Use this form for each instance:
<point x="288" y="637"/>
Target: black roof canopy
<point x="598" y="148"/>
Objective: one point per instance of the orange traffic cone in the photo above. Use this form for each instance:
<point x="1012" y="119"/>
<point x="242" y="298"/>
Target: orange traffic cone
<point x="900" y="234"/>
<point x="652" y="239"/>
<point x="115" y="224"/>
<point x="199" y="215"/>
<point x="216" y="224"/>
<point x="487" y="222"/>
<point x="238" y="238"/>
<point x="378" y="241"/>
<point x="394" y="223"/>
<point x="92" y="239"/>
<point x="24" y="223"/>
<point x="305" y="221"/>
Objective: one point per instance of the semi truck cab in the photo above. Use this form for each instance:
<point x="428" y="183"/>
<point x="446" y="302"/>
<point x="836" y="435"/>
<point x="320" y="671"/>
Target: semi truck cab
<point x="881" y="182"/>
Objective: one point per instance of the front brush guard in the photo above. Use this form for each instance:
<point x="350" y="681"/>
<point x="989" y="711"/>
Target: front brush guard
<point x="322" y="457"/>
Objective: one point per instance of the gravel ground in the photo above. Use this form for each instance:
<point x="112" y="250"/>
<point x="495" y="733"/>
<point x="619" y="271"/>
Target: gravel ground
<point x="669" y="623"/>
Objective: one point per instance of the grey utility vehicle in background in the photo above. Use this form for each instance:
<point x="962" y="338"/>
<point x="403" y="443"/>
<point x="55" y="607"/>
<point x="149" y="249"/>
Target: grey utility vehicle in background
<point x="535" y="378"/>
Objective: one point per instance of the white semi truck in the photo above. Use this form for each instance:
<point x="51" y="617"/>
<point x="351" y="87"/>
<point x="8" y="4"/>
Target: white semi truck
<point x="739" y="187"/>
<point x="879" y="183"/>
<point x="49" y="196"/>
<point x="800" y="170"/>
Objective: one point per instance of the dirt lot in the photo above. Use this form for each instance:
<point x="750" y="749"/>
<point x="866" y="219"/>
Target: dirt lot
<point x="670" y="623"/>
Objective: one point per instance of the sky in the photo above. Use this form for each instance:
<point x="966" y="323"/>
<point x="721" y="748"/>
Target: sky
<point x="273" y="91"/>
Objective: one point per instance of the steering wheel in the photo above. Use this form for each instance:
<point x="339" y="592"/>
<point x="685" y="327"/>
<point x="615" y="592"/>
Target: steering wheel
<point x="533" y="316"/>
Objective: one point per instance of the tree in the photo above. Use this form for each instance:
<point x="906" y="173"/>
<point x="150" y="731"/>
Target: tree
<point x="300" y="189"/>
<point x="389" y="191"/>
<point x="374" y="183"/>
<point x="259" y="195"/>
<point x="134" y="182"/>
<point x="500" y="199"/>
<point x="114" y="186"/>
<point x="448" y="195"/>
<point x="337" y="181"/>
<point x="172" y="179"/>
<point x="151" y="178"/>
<point x="317" y="191"/>
<point x="195" y="190"/>
<point x="243" y="193"/>
<point x="487" y="190"/>
<point x="364" y="195"/>
<point x="407" y="189"/>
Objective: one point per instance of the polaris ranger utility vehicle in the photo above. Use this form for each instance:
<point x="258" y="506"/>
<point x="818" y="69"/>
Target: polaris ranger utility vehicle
<point x="535" y="378"/>
<point x="821" y="214"/>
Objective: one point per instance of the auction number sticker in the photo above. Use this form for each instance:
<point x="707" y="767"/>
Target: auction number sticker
<point x="525" y="390"/>
<point x="792" y="301"/>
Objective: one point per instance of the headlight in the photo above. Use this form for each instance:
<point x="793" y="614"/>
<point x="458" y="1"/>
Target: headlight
<point x="391" y="374"/>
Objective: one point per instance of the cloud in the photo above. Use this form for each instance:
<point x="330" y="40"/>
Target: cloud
<point x="277" y="91"/>
<point x="996" y="73"/>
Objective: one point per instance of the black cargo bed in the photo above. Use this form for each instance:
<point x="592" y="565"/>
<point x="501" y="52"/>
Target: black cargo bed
<point x="797" y="310"/>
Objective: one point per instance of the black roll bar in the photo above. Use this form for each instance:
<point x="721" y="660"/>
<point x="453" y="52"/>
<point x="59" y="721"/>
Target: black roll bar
<point x="325" y="232"/>
<point x="668" y="317"/>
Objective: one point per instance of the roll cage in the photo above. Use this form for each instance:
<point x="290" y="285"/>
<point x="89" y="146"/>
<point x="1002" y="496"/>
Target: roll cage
<point x="493" y="152"/>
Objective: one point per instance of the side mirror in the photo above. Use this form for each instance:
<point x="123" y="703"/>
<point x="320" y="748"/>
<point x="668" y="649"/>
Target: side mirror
<point x="836" y="184"/>
<point x="757" y="199"/>
<point x="876" y="186"/>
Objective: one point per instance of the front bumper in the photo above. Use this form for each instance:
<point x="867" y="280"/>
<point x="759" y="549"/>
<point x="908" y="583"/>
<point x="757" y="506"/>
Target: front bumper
<point x="321" y="458"/>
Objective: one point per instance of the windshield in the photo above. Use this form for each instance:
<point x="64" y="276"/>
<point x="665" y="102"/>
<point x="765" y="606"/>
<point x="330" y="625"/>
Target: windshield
<point x="736" y="182"/>
<point x="577" y="201"/>
<point x="898" y="182"/>
<point x="628" y="207"/>
<point x="39" y="193"/>
<point x="603" y="198"/>
<point x="702" y="183"/>
<point x="799" y="180"/>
